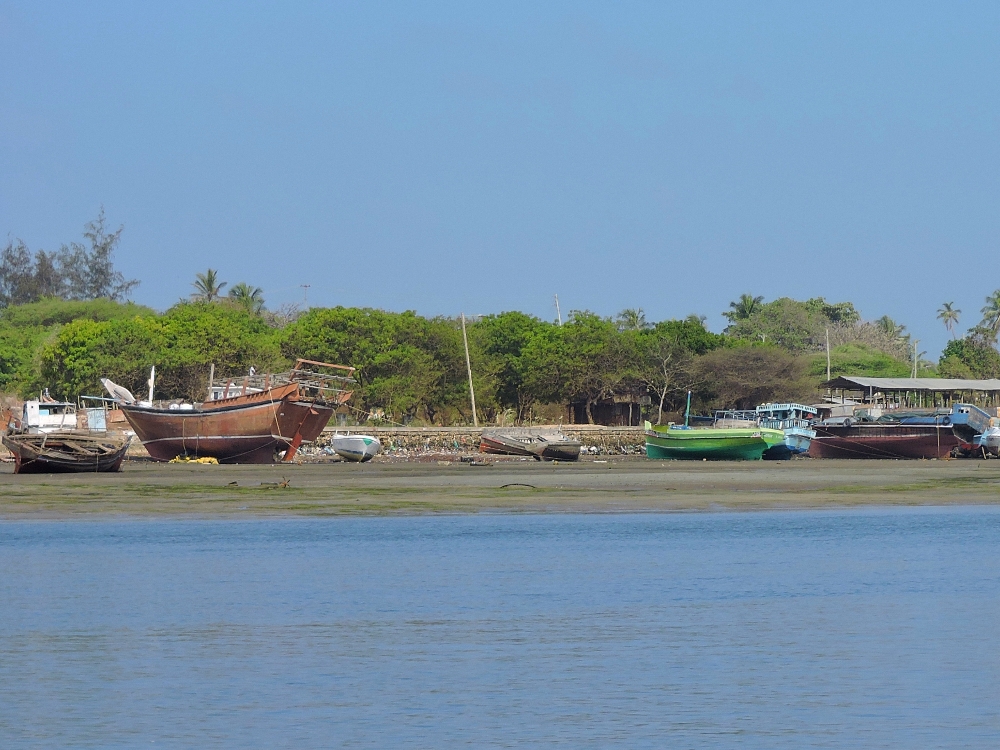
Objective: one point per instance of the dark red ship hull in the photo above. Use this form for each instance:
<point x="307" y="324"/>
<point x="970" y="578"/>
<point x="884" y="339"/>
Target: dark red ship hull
<point x="883" y="441"/>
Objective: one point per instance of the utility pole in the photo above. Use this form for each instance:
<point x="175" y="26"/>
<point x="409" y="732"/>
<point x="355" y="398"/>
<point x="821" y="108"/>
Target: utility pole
<point x="468" y="368"/>
<point x="828" y="354"/>
<point x="915" y="342"/>
<point x="558" y="314"/>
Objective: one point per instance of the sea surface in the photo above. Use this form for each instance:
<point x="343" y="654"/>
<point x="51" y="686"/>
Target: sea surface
<point x="840" y="629"/>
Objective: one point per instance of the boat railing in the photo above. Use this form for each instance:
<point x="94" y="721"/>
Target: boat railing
<point x="318" y="380"/>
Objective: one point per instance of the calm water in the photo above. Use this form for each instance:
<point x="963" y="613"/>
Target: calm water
<point x="836" y="629"/>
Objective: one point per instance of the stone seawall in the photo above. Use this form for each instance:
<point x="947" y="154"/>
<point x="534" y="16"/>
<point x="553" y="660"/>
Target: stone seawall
<point x="454" y="440"/>
<point x="598" y="439"/>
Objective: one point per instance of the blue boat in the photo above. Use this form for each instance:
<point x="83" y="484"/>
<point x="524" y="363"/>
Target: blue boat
<point x="795" y="420"/>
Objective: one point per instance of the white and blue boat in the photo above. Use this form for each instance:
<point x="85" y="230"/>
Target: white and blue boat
<point x="795" y="420"/>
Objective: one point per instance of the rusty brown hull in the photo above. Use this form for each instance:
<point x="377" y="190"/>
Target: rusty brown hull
<point x="244" y="430"/>
<point x="882" y="441"/>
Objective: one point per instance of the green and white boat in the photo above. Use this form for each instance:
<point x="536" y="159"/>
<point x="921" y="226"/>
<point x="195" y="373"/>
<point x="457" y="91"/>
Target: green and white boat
<point x="712" y="443"/>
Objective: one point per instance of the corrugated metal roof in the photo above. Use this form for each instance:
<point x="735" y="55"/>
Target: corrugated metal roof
<point x="858" y="383"/>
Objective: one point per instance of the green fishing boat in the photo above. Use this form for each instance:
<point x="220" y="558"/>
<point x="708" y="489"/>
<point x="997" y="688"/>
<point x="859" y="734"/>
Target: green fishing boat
<point x="712" y="443"/>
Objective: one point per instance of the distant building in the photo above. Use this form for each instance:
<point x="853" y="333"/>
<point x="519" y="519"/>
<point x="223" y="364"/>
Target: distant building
<point x="626" y="409"/>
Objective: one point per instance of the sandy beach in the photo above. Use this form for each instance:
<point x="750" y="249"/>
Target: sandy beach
<point x="145" y="489"/>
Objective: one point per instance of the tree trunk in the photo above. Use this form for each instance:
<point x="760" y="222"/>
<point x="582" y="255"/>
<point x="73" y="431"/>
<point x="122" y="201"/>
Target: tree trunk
<point x="590" y="412"/>
<point x="659" y="416"/>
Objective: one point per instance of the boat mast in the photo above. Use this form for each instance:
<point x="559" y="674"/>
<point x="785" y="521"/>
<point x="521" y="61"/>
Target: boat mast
<point x="468" y="368"/>
<point x="558" y="314"/>
<point x="687" y="411"/>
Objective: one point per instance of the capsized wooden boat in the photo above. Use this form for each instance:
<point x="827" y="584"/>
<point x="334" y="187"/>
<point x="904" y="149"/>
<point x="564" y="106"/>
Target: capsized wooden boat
<point x="710" y="443"/>
<point x="359" y="448"/>
<point x="66" y="451"/>
<point x="251" y="423"/>
<point x="548" y="445"/>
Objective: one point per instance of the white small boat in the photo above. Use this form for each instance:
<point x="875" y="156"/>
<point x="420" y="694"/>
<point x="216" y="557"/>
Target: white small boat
<point x="356" y="447"/>
<point x="990" y="439"/>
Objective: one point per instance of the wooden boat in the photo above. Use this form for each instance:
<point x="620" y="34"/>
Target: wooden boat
<point x="66" y="451"/>
<point x="251" y="424"/>
<point x="555" y="446"/>
<point x="360" y="448"/>
<point x="547" y="445"/>
<point x="710" y="443"/>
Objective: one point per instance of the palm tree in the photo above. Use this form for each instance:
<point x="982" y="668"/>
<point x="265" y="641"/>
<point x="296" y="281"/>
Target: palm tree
<point x="207" y="287"/>
<point x="632" y="320"/>
<point x="991" y="313"/>
<point x="744" y="307"/>
<point x="893" y="329"/>
<point x="249" y="297"/>
<point x="949" y="316"/>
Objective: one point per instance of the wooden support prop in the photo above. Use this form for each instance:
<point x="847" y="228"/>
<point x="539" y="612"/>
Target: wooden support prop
<point x="293" y="447"/>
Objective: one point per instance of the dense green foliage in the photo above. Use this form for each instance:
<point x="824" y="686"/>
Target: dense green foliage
<point x="969" y="358"/>
<point x="858" y="359"/>
<point x="412" y="368"/>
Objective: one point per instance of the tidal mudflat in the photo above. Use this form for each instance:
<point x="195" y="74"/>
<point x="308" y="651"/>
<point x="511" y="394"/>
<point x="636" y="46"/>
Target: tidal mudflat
<point x="627" y="485"/>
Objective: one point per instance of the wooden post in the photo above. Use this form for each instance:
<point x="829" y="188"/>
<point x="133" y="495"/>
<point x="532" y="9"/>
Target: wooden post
<point x="211" y="379"/>
<point x="468" y="368"/>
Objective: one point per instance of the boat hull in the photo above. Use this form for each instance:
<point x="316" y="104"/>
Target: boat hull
<point x="541" y="445"/>
<point x="796" y="443"/>
<point x="711" y="444"/>
<point x="242" y="433"/>
<point x="883" y="441"/>
<point x="501" y="445"/>
<point x="558" y="450"/>
<point x="358" y="448"/>
<point x="66" y="452"/>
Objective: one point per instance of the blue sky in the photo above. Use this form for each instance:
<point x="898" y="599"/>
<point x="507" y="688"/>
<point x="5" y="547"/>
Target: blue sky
<point x="483" y="157"/>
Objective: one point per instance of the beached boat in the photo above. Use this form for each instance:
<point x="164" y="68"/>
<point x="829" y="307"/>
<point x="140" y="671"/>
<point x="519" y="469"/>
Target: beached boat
<point x="711" y="443"/>
<point x="44" y="414"/>
<point x="795" y="420"/>
<point x="356" y="447"/>
<point x="548" y="445"/>
<point x="989" y="440"/>
<point x="66" y="451"/>
<point x="894" y="435"/>
<point x="250" y="423"/>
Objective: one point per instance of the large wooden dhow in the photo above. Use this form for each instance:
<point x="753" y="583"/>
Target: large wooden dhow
<point x="249" y="421"/>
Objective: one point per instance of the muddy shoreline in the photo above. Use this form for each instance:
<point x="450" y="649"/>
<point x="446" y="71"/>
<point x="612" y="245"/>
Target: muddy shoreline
<point x="150" y="490"/>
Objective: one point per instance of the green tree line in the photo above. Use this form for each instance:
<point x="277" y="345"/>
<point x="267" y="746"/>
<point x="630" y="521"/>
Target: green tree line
<point x="65" y="322"/>
<point x="411" y="368"/>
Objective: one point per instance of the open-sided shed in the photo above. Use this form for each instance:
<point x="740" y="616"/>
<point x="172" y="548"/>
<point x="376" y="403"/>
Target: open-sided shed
<point x="916" y="391"/>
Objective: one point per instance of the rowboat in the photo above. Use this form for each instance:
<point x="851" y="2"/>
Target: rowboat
<point x="547" y="445"/>
<point x="710" y="443"/>
<point x="66" y="451"/>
